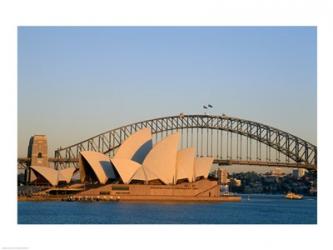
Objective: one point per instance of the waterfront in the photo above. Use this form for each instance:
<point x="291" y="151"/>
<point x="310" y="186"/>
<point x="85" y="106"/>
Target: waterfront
<point x="253" y="209"/>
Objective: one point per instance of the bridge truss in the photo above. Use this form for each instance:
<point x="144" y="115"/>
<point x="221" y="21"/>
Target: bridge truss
<point x="229" y="140"/>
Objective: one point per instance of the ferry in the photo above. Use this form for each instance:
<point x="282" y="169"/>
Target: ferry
<point x="293" y="196"/>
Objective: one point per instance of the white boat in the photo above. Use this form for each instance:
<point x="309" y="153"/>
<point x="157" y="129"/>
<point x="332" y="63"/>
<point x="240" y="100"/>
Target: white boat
<point x="293" y="196"/>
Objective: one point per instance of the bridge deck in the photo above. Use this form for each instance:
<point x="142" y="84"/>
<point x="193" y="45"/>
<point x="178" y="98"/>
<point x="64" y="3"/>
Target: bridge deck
<point x="220" y="162"/>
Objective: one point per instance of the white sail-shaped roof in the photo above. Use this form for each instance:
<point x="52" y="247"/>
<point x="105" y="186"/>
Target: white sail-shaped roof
<point x="66" y="174"/>
<point x="136" y="146"/>
<point x="126" y="168"/>
<point x="33" y="176"/>
<point x="50" y="174"/>
<point x="185" y="164"/>
<point x="144" y="174"/>
<point x="202" y="166"/>
<point x="99" y="163"/>
<point x="54" y="176"/>
<point x="161" y="160"/>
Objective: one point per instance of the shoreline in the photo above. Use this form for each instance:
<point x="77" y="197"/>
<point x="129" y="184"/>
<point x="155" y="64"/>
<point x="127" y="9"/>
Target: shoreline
<point x="128" y="198"/>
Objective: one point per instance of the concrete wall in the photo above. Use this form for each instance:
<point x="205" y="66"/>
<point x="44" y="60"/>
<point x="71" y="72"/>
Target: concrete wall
<point x="202" y="188"/>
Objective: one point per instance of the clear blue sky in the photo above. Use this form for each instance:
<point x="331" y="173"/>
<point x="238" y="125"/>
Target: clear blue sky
<point x="74" y="83"/>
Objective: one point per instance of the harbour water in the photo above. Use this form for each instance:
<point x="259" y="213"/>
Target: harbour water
<point x="253" y="209"/>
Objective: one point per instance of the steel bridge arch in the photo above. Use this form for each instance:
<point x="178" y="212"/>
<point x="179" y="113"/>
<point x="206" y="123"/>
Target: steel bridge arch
<point x="293" y="147"/>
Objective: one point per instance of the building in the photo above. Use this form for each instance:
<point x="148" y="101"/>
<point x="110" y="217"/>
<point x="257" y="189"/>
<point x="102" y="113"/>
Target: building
<point x="236" y="182"/>
<point x="298" y="173"/>
<point x="277" y="172"/>
<point x="222" y="176"/>
<point x="141" y="170"/>
<point x="137" y="161"/>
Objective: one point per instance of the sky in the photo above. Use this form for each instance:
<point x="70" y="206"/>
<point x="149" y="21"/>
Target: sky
<point x="77" y="82"/>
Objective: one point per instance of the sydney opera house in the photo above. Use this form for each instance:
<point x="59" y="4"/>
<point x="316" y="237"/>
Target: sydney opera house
<point x="141" y="171"/>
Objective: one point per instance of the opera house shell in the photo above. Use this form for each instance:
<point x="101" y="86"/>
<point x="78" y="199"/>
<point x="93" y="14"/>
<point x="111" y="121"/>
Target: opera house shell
<point x="49" y="175"/>
<point x="137" y="161"/>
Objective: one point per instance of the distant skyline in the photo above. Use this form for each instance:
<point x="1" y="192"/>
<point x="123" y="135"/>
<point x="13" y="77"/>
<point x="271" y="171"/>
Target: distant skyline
<point x="76" y="82"/>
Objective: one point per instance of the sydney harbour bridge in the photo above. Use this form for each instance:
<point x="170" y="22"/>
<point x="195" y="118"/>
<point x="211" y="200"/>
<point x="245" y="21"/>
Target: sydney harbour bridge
<point x="230" y="140"/>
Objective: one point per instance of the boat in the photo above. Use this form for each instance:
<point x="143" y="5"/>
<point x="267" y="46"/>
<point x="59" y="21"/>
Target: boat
<point x="293" y="196"/>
